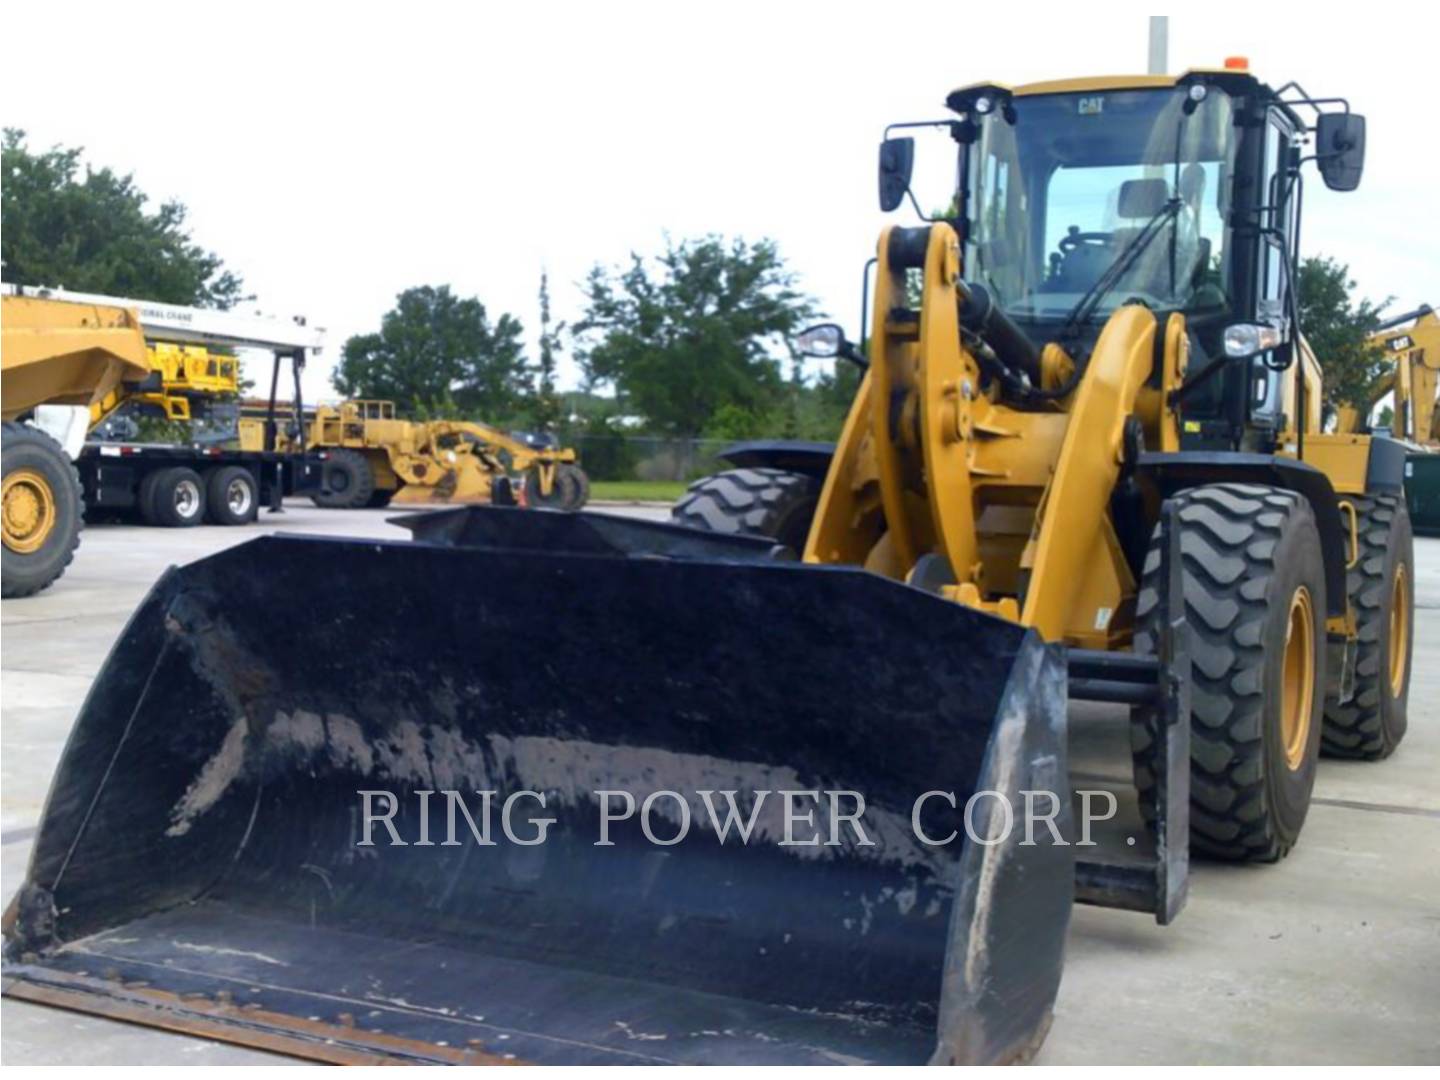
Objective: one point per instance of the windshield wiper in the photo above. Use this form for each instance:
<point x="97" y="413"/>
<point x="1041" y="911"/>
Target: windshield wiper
<point x="1085" y="307"/>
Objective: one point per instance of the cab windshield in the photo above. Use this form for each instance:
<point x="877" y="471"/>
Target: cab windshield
<point x="1062" y="186"/>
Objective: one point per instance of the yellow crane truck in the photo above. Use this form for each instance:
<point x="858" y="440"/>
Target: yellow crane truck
<point x="1084" y="462"/>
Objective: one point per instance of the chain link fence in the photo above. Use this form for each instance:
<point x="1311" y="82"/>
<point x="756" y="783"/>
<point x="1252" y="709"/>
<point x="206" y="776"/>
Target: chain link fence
<point x="613" y="456"/>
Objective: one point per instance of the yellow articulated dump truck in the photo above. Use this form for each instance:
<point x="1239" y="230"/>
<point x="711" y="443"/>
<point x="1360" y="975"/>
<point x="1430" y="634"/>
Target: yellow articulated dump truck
<point x="59" y="360"/>
<point x="373" y="457"/>
<point x="735" y="801"/>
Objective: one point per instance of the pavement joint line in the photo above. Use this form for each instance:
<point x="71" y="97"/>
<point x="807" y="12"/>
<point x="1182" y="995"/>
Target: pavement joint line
<point x="1381" y="808"/>
<point x="26" y="620"/>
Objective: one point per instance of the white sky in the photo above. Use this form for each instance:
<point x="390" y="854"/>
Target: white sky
<point x="335" y="154"/>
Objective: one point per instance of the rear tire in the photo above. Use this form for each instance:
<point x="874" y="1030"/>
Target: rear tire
<point x="346" y="480"/>
<point x="1254" y="582"/>
<point x="231" y="496"/>
<point x="772" y="503"/>
<point x="1381" y="586"/>
<point x="44" y="510"/>
<point x="173" y="498"/>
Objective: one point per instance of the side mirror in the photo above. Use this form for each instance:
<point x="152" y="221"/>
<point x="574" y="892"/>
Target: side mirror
<point x="826" y="341"/>
<point x="897" y="161"/>
<point x="822" y="342"/>
<point x="1340" y="149"/>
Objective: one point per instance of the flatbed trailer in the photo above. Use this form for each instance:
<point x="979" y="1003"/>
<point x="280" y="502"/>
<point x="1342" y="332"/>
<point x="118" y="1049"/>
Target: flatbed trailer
<point x="178" y="486"/>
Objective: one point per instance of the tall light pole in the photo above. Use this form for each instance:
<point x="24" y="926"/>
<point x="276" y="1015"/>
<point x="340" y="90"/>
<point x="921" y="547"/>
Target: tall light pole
<point x="1159" y="44"/>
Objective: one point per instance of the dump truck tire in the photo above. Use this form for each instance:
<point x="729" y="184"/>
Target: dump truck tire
<point x="1254" y="583"/>
<point x="231" y="496"/>
<point x="44" y="510"/>
<point x="773" y="503"/>
<point x="346" y="479"/>
<point x="173" y="498"/>
<point x="579" y="489"/>
<point x="1381" y="586"/>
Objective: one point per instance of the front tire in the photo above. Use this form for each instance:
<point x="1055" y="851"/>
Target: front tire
<point x="1381" y="586"/>
<point x="772" y="503"/>
<point x="44" y="510"/>
<point x="578" y="488"/>
<point x="564" y="490"/>
<point x="1254" y="583"/>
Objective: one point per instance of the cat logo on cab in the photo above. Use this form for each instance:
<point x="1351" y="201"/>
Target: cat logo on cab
<point x="1092" y="106"/>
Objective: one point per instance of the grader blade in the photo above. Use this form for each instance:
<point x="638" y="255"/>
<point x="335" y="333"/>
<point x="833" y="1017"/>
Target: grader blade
<point x="202" y="862"/>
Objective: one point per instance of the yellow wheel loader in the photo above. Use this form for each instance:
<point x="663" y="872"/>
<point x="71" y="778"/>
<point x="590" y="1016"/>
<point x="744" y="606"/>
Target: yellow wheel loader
<point x="372" y="457"/>
<point x="59" y="360"/>
<point x="703" y="797"/>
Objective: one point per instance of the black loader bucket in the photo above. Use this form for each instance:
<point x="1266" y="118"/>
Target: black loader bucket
<point x="203" y="864"/>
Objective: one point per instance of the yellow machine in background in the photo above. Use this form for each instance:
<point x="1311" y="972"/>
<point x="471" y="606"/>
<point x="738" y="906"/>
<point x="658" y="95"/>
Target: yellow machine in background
<point x="186" y="381"/>
<point x="1414" y="379"/>
<point x="59" y="359"/>
<point x="373" y="457"/>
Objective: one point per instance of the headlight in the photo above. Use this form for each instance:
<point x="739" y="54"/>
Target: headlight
<point x="1247" y="339"/>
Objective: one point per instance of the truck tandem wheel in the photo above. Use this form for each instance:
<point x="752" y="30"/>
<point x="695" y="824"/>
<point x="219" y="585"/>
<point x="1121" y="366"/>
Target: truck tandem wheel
<point x="1254" y="583"/>
<point x="173" y="498"/>
<point x="231" y="496"/>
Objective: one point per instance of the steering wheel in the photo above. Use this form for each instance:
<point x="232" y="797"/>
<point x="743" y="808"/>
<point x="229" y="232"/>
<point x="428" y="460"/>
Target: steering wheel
<point x="1075" y="239"/>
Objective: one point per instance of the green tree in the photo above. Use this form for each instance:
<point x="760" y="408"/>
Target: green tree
<point x="90" y="230"/>
<point x="546" y="408"/>
<point x="1337" y="325"/>
<point x="437" y="351"/>
<point x="691" y="331"/>
<point x="824" y="404"/>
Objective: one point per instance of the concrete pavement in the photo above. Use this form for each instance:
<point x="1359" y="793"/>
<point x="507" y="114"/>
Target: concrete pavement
<point x="1332" y="956"/>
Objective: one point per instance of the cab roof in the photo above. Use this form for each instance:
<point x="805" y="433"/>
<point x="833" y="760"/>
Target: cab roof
<point x="1099" y="82"/>
<point x="1232" y="79"/>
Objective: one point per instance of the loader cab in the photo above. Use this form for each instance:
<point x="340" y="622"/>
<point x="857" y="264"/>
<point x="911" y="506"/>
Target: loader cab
<point x="1183" y="195"/>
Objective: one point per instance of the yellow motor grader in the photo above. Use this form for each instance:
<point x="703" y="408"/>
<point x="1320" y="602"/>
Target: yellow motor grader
<point x="1084" y="463"/>
<point x="372" y="457"/>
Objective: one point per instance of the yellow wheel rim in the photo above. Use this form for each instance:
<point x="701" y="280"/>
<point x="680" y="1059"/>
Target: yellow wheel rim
<point x="29" y="509"/>
<point x="1399" y="632"/>
<point x="1298" y="678"/>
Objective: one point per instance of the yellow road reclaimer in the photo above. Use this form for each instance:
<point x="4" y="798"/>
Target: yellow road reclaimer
<point x="1084" y="460"/>
<point x="373" y="457"/>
